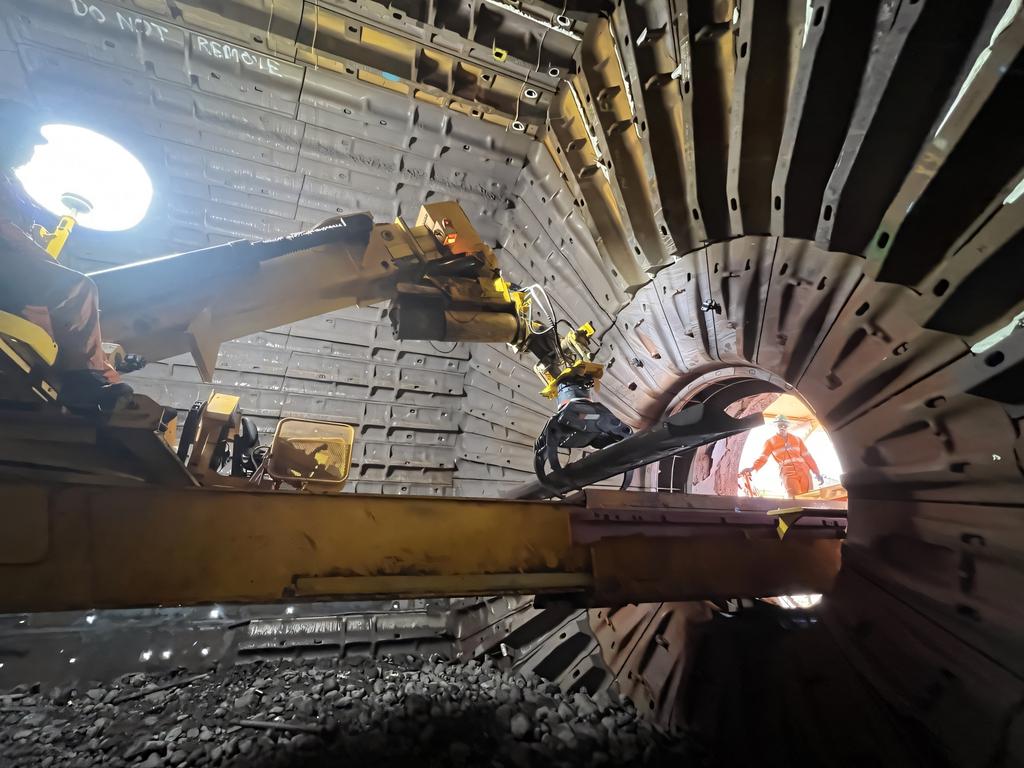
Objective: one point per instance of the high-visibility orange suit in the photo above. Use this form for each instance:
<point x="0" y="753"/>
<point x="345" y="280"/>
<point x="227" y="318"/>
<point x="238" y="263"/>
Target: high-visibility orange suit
<point x="795" y="462"/>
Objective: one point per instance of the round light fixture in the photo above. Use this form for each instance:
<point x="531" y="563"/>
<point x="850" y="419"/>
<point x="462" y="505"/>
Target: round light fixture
<point x="88" y="175"/>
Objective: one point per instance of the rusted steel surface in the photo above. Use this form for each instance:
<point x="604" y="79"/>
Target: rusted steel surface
<point x="884" y="322"/>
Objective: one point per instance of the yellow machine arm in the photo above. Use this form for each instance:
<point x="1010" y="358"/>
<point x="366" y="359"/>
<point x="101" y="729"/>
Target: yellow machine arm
<point x="442" y="281"/>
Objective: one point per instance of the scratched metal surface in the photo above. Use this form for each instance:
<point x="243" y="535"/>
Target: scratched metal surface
<point x="826" y="192"/>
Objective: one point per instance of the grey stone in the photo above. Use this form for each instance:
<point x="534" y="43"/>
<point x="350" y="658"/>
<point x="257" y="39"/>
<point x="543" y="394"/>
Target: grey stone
<point x="306" y="741"/>
<point x="34" y="720"/>
<point x="520" y="725"/>
<point x="585" y="706"/>
<point x="246" y="700"/>
<point x="565" y="734"/>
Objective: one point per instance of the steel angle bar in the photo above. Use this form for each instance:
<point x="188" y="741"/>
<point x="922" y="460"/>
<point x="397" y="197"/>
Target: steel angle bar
<point x="692" y="427"/>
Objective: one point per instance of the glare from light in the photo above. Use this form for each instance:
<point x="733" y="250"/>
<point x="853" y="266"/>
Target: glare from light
<point x="90" y="618"/>
<point x="146" y="655"/>
<point x="78" y="161"/>
<point x="72" y="660"/>
<point x="290" y="610"/>
<point x="802" y="602"/>
<point x="205" y="651"/>
<point x="215" y="613"/>
<point x="165" y="655"/>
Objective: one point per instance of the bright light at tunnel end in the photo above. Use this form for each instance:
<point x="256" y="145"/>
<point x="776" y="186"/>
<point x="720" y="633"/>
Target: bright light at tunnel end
<point x="90" y="165"/>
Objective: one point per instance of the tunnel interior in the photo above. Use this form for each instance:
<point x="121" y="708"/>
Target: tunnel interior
<point x="823" y="197"/>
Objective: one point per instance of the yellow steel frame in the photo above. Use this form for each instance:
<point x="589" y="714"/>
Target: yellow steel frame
<point x="20" y="329"/>
<point x="79" y="547"/>
<point x="54" y="241"/>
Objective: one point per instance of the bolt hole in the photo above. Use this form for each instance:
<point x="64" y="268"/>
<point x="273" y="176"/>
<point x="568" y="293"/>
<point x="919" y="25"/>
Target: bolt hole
<point x="778" y="203"/>
<point x="883" y="240"/>
<point x="686" y="86"/>
<point x="632" y="386"/>
<point x="733" y="204"/>
<point x="743" y="51"/>
<point x="554" y="72"/>
<point x="828" y="213"/>
<point x="994" y="359"/>
<point x="862" y="309"/>
<point x="941" y="287"/>
<point x="785" y="269"/>
<point x="819" y="15"/>
<point x="696" y="215"/>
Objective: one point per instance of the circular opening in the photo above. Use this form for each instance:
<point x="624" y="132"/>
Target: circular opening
<point x="716" y="469"/>
<point x="89" y="175"/>
<point x="518" y="126"/>
<point x="530" y="93"/>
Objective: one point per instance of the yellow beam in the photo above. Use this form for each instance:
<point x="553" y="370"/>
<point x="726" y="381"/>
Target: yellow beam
<point x="80" y="547"/>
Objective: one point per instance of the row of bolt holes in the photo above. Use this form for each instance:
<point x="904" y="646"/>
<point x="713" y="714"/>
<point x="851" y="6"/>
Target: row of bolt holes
<point x="629" y="674"/>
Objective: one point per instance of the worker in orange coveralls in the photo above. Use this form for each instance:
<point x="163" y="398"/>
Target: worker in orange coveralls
<point x="795" y="462"/>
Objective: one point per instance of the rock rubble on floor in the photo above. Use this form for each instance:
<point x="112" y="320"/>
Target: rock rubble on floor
<point x="388" y="712"/>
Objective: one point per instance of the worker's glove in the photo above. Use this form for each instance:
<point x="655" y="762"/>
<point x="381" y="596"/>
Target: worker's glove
<point x="818" y="475"/>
